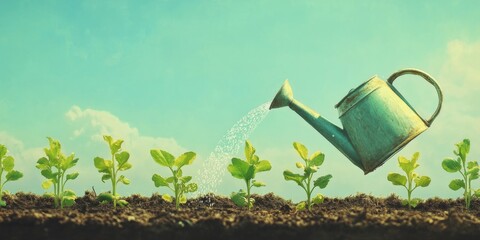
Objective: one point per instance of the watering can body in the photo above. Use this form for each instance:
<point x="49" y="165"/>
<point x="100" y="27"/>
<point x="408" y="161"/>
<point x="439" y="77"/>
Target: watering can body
<point x="377" y="120"/>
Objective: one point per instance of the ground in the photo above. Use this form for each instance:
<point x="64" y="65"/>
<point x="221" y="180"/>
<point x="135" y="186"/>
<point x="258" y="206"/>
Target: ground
<point x="28" y="216"/>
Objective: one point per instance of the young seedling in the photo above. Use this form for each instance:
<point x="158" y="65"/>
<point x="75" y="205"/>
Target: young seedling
<point x="309" y="167"/>
<point x="469" y="171"/>
<point x="178" y="183"/>
<point x="6" y="165"/>
<point x="54" y="168"/>
<point x="110" y="171"/>
<point x="411" y="177"/>
<point x="246" y="170"/>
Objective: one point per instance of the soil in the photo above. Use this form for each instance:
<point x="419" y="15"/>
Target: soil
<point x="28" y="216"/>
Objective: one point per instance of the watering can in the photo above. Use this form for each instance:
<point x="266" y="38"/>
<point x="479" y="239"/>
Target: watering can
<point x="377" y="120"/>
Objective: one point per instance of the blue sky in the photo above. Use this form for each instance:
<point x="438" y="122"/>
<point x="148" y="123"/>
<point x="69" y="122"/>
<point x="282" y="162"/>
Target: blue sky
<point x="177" y="75"/>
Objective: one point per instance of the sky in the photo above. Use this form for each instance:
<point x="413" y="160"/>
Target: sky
<point x="177" y="75"/>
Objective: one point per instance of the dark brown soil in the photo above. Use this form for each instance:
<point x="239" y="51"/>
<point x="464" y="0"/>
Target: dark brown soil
<point x="28" y="216"/>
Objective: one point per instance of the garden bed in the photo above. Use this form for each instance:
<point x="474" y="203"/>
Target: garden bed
<point x="28" y="216"/>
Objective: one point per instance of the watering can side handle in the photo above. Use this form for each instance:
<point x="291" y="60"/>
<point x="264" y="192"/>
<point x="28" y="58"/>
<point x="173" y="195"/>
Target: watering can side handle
<point x="430" y="80"/>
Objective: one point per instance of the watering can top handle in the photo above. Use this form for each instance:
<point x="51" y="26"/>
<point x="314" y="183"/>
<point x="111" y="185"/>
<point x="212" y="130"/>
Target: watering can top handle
<point x="430" y="80"/>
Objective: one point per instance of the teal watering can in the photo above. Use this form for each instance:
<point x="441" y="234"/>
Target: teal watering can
<point x="377" y="120"/>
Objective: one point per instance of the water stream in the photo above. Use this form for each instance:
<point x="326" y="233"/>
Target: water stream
<point x="214" y="168"/>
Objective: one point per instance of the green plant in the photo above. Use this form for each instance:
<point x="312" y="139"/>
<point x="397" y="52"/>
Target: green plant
<point x="411" y="177"/>
<point x="6" y="165"/>
<point x="179" y="184"/>
<point x="110" y="170"/>
<point x="469" y="171"/>
<point x="246" y="170"/>
<point x="54" y="168"/>
<point x="310" y="166"/>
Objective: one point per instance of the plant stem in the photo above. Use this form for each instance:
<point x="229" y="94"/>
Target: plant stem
<point x="114" y="182"/>
<point x="175" y="187"/>
<point x="309" y="193"/>
<point x="466" y="194"/>
<point x="409" y="191"/>
<point x="1" y="184"/>
<point x="56" y="188"/>
<point x="61" y="186"/>
<point x="248" y="195"/>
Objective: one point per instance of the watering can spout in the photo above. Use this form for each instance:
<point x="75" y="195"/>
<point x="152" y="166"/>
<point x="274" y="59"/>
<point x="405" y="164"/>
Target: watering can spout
<point x="284" y="96"/>
<point x="335" y="135"/>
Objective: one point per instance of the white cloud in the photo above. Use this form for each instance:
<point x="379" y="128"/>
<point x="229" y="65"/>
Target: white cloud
<point x="96" y="123"/>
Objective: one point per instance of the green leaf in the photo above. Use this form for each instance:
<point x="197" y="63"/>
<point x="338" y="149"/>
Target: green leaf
<point x="185" y="159"/>
<point x="100" y="163"/>
<point x="159" y="181"/>
<point x="183" y="199"/>
<point x="301" y="206"/>
<point x="3" y="203"/>
<point x="238" y="168"/>
<point x="3" y="151"/>
<point x="170" y="179"/>
<point x="167" y="198"/>
<point x="456" y="184"/>
<point x="322" y="181"/>
<point x="72" y="176"/>
<point x="451" y="165"/>
<point x="473" y="170"/>
<point x="106" y="177"/>
<point x="8" y="163"/>
<point x="68" y="162"/>
<point x="122" y="158"/>
<point x="125" y="166"/>
<point x="302" y="150"/>
<point x="105" y="197"/>
<point x="162" y="157"/>
<point x="414" y="202"/>
<point x="123" y="180"/>
<point x="422" y="181"/>
<point x="472" y="164"/>
<point x="13" y="175"/>
<point x="249" y="151"/>
<point x="290" y="176"/>
<point x="191" y="187"/>
<point x="250" y="173"/>
<point x="254" y="159"/>
<point x="397" y="179"/>
<point x="317" y="159"/>
<point x="310" y="170"/>
<point x="43" y="163"/>
<point x="477" y="193"/>
<point x="406" y="165"/>
<point x="122" y="203"/>
<point x="69" y="193"/>
<point x="68" y="201"/>
<point x="263" y="166"/>
<point x="239" y="198"/>
<point x="318" y="199"/>
<point x="258" y="184"/>
<point x="179" y="173"/>
<point x="48" y="174"/>
<point x="185" y="179"/>
<point x="300" y="165"/>
<point x="464" y="148"/>
<point x="108" y="139"/>
<point x="405" y="202"/>
<point x="48" y="195"/>
<point x="115" y="146"/>
<point x="47" y="183"/>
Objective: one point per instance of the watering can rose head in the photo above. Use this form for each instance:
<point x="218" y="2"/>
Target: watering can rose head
<point x="377" y="120"/>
